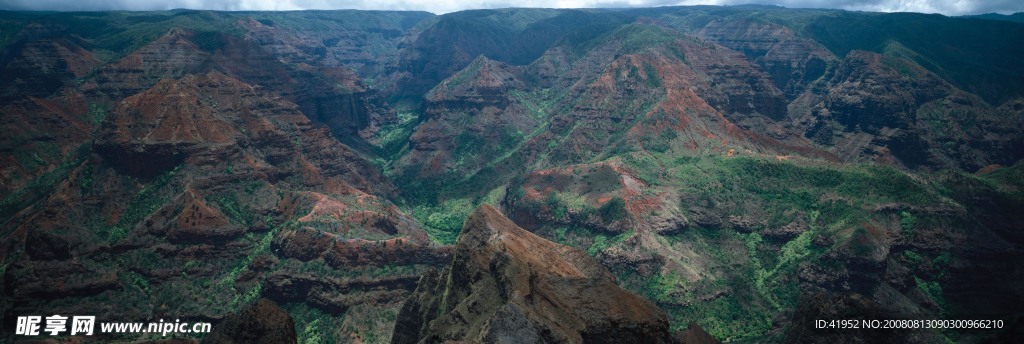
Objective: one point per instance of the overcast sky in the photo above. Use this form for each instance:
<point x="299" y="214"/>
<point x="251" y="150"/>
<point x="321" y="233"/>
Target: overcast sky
<point x="947" y="7"/>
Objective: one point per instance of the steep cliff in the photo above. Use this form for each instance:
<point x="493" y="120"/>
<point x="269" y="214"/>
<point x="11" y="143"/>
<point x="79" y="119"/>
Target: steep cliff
<point x="260" y="322"/>
<point x="890" y="110"/>
<point x="507" y="285"/>
<point x="470" y="120"/>
<point x="745" y="168"/>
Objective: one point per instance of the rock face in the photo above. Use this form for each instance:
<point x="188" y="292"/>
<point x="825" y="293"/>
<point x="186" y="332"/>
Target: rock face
<point x="507" y="285"/>
<point x="471" y="118"/>
<point x="261" y="322"/>
<point x="694" y="334"/>
<point x="327" y="93"/>
<point x="720" y="162"/>
<point x="792" y="61"/>
<point x="891" y="110"/>
<point x="821" y="306"/>
<point x="41" y="67"/>
<point x="223" y="162"/>
<point x="613" y="199"/>
<point x="215" y="158"/>
<point x="736" y="88"/>
<point x="209" y="119"/>
<point x="41" y="119"/>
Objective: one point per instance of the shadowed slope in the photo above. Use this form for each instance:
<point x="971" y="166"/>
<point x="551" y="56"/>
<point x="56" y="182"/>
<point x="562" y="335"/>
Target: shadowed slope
<point x="508" y="285"/>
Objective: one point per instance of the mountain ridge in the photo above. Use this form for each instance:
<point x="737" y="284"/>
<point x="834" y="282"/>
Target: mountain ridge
<point x="736" y="167"/>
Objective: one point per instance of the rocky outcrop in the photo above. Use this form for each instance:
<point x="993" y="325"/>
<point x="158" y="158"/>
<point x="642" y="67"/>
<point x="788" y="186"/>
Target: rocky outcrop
<point x="329" y="94"/>
<point x="44" y="120"/>
<point x="607" y="197"/>
<point x="156" y="130"/>
<point x="411" y="248"/>
<point x="207" y="120"/>
<point x="258" y="323"/>
<point x="890" y="110"/>
<point x="855" y="307"/>
<point x="188" y="162"/>
<point x="41" y="134"/>
<point x="40" y="68"/>
<point x="57" y="279"/>
<point x="471" y="118"/>
<point x="792" y="61"/>
<point x="341" y="38"/>
<point x="198" y="222"/>
<point x="483" y="83"/>
<point x="682" y="94"/>
<point x="734" y="87"/>
<point x="872" y="91"/>
<point x="507" y="285"/>
<point x="204" y="178"/>
<point x="173" y="55"/>
<point x="336" y="296"/>
<point x="694" y="334"/>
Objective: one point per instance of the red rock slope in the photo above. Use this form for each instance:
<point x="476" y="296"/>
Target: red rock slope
<point x="506" y="284"/>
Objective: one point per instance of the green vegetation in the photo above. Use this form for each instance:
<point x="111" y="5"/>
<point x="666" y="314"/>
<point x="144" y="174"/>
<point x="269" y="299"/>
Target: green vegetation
<point x="11" y="23"/>
<point x="539" y="102"/>
<point x="555" y="205"/>
<point x="943" y="260"/>
<point x="912" y="257"/>
<point x="444" y="222"/>
<point x="37" y="156"/>
<point x="312" y="325"/>
<point x="933" y="290"/>
<point x="42" y="185"/>
<point x="392" y="138"/>
<point x="209" y="41"/>
<point x="494" y="197"/>
<point x="248" y="297"/>
<point x="312" y="333"/>
<point x="734" y="278"/>
<point x="465" y="74"/>
<point x="116" y="34"/>
<point x="739" y="317"/>
<point x="370" y="323"/>
<point x="97" y="113"/>
<point x="728" y="305"/>
<point x="787" y="185"/>
<point x="653" y="80"/>
<point x="229" y="205"/>
<point x="760" y="278"/>
<point x="907" y="222"/>
<point x="613" y="210"/>
<point x="148" y="199"/>
<point x="632" y="38"/>
<point x="978" y="61"/>
<point x="85" y="183"/>
<point x="137" y="281"/>
<point x="602" y="242"/>
<point x="227" y="282"/>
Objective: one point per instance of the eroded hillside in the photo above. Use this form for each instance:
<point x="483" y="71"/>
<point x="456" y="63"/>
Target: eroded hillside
<point x="741" y="168"/>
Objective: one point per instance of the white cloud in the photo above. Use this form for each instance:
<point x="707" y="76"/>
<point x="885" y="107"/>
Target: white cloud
<point x="948" y="7"/>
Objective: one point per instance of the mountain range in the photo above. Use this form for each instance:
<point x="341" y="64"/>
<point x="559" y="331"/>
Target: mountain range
<point x="736" y="172"/>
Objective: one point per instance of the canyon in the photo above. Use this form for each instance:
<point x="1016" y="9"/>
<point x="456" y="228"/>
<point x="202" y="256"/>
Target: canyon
<point x="725" y="173"/>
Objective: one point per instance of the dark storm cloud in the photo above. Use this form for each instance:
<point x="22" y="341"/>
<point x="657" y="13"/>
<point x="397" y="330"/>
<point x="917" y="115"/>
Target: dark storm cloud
<point x="948" y="7"/>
